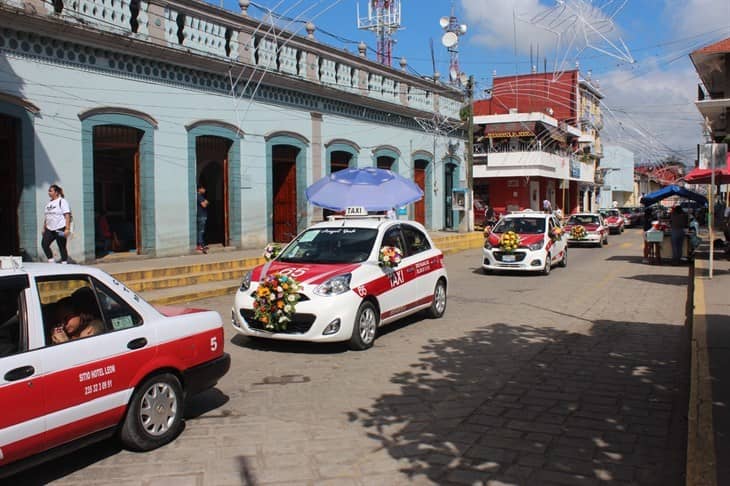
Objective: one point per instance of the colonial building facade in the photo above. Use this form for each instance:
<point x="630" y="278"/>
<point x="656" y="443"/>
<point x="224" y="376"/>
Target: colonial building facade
<point x="128" y="105"/>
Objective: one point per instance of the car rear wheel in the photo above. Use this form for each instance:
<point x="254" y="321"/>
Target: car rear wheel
<point x="365" y="328"/>
<point x="155" y="413"/>
<point x="438" y="306"/>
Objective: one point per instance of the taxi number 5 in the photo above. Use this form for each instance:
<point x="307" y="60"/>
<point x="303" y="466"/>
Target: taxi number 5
<point x="293" y="272"/>
<point x="213" y="343"/>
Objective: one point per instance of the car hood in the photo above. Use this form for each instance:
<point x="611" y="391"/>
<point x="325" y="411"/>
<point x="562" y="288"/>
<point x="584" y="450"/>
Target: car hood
<point x="304" y="273"/>
<point x="612" y="220"/>
<point x="525" y="239"/>
<point x="587" y="227"/>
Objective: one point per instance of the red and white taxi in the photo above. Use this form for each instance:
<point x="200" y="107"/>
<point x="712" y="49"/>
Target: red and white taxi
<point x="540" y="242"/>
<point x="82" y="358"/>
<point x="594" y="230"/>
<point x="345" y="286"/>
<point x="614" y="220"/>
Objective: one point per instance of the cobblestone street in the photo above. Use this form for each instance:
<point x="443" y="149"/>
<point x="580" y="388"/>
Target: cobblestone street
<point x="574" y="378"/>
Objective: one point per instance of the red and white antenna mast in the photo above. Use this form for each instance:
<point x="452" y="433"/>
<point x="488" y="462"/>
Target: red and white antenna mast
<point x="383" y="19"/>
<point x="450" y="40"/>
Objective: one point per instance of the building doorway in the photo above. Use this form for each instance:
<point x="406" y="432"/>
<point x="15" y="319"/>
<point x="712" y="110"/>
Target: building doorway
<point x="419" y="177"/>
<point x="448" y="196"/>
<point x="9" y="185"/>
<point x="116" y="184"/>
<point x="284" y="177"/>
<point x="385" y="162"/>
<point x="339" y="160"/>
<point x="211" y="166"/>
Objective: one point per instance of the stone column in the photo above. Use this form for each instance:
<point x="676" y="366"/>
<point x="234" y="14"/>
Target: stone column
<point x="317" y="172"/>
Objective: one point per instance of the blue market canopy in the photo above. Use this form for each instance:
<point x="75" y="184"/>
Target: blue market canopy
<point x="670" y="191"/>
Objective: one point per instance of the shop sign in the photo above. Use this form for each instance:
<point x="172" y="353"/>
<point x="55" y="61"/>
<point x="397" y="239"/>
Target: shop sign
<point x="511" y="134"/>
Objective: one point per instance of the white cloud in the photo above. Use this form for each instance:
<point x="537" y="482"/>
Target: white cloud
<point x="691" y="17"/>
<point x="653" y="114"/>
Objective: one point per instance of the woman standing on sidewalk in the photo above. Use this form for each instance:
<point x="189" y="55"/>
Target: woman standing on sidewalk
<point x="57" y="224"/>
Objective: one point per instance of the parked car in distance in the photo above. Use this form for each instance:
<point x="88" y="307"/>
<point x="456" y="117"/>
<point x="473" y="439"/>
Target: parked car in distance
<point x="613" y="219"/>
<point x="633" y="216"/>
<point x="346" y="290"/>
<point x="540" y="243"/>
<point x="83" y="358"/>
<point x="595" y="229"/>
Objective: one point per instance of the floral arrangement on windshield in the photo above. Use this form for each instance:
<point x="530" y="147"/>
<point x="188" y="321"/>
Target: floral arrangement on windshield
<point x="275" y="302"/>
<point x="577" y="232"/>
<point x="390" y="256"/>
<point x="509" y="241"/>
<point x="271" y="251"/>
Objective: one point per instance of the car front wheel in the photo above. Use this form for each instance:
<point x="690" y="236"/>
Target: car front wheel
<point x="155" y="413"/>
<point x="564" y="260"/>
<point x="438" y="306"/>
<point x="365" y="328"/>
<point x="548" y="264"/>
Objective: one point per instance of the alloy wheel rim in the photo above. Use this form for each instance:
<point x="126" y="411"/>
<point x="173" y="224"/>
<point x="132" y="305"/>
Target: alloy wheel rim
<point x="158" y="409"/>
<point x="440" y="298"/>
<point x="367" y="326"/>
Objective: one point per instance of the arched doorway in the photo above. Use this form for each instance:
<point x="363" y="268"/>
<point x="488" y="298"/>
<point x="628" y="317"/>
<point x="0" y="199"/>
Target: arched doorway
<point x="419" y="177"/>
<point x="449" y="170"/>
<point x="9" y="185"/>
<point x="284" y="186"/>
<point x="339" y="160"/>
<point x="211" y="160"/>
<point x="385" y="162"/>
<point x="116" y="169"/>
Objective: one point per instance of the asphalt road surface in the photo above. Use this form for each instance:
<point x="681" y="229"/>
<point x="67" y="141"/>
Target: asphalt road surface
<point x="574" y="378"/>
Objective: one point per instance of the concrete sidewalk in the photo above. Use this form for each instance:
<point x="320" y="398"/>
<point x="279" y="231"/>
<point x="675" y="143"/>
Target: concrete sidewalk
<point x="708" y="436"/>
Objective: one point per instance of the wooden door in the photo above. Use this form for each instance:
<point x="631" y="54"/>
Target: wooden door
<point x="285" y="193"/>
<point x="419" y="177"/>
<point x="9" y="192"/>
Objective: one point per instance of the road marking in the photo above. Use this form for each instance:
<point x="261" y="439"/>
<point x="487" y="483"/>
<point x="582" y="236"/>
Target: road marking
<point x="701" y="460"/>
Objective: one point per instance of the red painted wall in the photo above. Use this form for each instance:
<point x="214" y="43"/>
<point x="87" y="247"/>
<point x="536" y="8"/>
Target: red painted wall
<point x="533" y="93"/>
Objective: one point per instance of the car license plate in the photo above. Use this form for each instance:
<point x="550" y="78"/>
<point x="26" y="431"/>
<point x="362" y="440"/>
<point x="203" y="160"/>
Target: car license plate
<point x="508" y="258"/>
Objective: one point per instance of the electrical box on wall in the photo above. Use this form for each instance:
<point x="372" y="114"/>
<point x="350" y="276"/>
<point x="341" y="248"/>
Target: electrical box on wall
<point x="459" y="199"/>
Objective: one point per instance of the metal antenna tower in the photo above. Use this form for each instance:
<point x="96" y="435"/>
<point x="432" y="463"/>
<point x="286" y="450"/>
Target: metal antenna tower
<point x="450" y="41"/>
<point x="383" y="19"/>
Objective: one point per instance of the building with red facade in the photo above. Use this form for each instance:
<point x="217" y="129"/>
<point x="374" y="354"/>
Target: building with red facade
<point x="537" y="138"/>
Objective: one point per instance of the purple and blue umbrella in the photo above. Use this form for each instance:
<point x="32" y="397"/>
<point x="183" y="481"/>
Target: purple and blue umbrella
<point x="369" y="187"/>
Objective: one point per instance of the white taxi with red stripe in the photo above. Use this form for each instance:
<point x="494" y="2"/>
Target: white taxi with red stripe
<point x="345" y="291"/>
<point x="595" y="230"/>
<point x="541" y="243"/>
<point x="82" y="358"/>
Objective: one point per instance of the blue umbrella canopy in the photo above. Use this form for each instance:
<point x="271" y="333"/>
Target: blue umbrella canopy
<point x="670" y="191"/>
<point x="369" y="187"/>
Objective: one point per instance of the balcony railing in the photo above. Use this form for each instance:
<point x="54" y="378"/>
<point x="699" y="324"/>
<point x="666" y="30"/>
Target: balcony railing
<point x="205" y="30"/>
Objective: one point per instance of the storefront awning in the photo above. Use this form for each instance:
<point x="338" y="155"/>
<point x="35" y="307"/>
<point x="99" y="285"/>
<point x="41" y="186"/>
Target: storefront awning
<point x="510" y="129"/>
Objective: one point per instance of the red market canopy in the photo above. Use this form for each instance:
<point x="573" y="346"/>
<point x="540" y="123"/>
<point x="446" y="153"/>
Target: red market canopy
<point x="704" y="176"/>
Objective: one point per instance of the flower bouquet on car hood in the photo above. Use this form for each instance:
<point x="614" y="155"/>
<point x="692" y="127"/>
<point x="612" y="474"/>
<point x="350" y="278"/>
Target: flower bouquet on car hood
<point x="275" y="301"/>
<point x="578" y="232"/>
<point x="509" y="241"/>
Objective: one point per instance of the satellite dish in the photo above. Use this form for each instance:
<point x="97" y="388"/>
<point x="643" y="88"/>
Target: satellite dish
<point x="449" y="39"/>
<point x="463" y="78"/>
<point x="462" y="29"/>
<point x="443" y="22"/>
<point x="453" y="75"/>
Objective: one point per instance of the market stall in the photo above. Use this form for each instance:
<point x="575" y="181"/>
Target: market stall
<point x="658" y="240"/>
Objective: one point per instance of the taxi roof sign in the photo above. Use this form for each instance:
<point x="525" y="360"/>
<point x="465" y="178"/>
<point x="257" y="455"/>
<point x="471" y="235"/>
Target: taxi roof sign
<point x="356" y="211"/>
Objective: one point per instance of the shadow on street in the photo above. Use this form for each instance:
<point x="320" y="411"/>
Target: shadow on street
<point x="538" y="405"/>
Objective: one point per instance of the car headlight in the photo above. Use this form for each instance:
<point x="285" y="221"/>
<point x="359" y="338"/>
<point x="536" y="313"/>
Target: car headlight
<point x="334" y="286"/>
<point x="246" y="282"/>
<point x="536" y="246"/>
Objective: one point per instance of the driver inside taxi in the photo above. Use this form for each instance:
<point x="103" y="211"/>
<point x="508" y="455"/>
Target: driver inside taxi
<point x="73" y="323"/>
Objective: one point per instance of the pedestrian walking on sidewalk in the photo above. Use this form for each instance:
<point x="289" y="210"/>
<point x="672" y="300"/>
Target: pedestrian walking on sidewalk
<point x="678" y="224"/>
<point x="202" y="219"/>
<point x="56" y="224"/>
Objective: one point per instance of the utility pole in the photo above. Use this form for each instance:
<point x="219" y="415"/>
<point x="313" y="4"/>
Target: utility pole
<point x="470" y="152"/>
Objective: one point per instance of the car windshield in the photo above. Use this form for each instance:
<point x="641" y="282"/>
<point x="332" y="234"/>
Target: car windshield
<point x="331" y="245"/>
<point x="521" y="225"/>
<point x="583" y="219"/>
<point x="607" y="213"/>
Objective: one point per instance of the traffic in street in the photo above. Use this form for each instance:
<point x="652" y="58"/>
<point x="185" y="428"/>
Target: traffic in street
<point x="578" y="377"/>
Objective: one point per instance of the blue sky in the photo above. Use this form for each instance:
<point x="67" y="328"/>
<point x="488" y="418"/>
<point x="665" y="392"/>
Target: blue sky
<point x="649" y="103"/>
